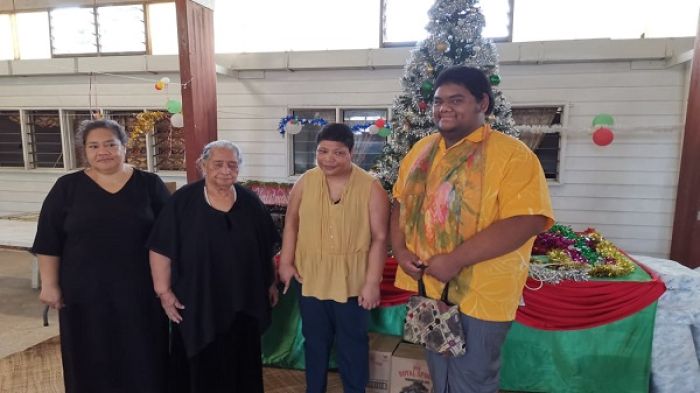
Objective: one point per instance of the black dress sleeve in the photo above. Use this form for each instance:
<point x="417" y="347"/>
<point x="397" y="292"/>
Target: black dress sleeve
<point x="50" y="236"/>
<point x="269" y="238"/>
<point x="164" y="235"/>
<point x="159" y="194"/>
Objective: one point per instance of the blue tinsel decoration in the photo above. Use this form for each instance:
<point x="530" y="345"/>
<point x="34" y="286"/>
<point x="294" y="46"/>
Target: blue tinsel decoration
<point x="317" y="121"/>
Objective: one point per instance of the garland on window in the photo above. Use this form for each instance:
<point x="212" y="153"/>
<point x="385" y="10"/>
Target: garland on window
<point x="288" y="122"/>
<point x="145" y="121"/>
<point x="562" y="254"/>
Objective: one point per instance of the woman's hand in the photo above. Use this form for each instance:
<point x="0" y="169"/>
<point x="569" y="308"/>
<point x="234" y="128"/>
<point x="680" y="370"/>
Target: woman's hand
<point x="273" y="294"/>
<point x="51" y="296"/>
<point x="171" y="305"/>
<point x="369" y="296"/>
<point x="286" y="273"/>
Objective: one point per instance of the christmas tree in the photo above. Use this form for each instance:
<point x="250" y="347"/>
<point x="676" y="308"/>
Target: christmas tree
<point x="454" y="39"/>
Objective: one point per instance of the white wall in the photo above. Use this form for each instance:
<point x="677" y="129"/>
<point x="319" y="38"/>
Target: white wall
<point x="626" y="190"/>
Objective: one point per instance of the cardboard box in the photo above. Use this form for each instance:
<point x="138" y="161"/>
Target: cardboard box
<point x="381" y="348"/>
<point x="409" y="370"/>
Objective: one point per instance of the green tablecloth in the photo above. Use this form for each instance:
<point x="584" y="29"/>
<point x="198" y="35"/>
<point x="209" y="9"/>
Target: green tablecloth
<point x="613" y="358"/>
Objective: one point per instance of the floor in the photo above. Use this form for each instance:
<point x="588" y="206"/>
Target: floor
<point x="29" y="352"/>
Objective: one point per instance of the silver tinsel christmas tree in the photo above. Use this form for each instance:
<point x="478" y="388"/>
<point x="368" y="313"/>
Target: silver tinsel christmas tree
<point x="454" y="39"/>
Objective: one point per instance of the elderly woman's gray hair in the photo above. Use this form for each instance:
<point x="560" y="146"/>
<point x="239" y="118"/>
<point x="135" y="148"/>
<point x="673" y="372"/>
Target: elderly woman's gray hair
<point x="88" y="125"/>
<point x="220" y="144"/>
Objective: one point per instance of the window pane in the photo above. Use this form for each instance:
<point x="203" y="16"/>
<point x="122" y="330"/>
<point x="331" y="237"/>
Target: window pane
<point x="46" y="148"/>
<point x="6" y="44"/>
<point x="74" y="120"/>
<point x="10" y="139"/>
<point x="33" y="35"/>
<point x="567" y="20"/>
<point x="169" y="146"/>
<point x="368" y="147"/>
<point x="405" y="20"/>
<point x="121" y="29"/>
<point x="162" y="27"/>
<point x="304" y="143"/>
<point x="273" y="25"/>
<point x="73" y="31"/>
<point x="544" y="145"/>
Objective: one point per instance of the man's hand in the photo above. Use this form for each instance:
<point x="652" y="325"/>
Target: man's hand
<point x="286" y="273"/>
<point x="409" y="262"/>
<point x="369" y="296"/>
<point x="171" y="305"/>
<point x="442" y="267"/>
<point x="51" y="296"/>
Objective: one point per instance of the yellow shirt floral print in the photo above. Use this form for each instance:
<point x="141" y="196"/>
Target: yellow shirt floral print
<point x="501" y="178"/>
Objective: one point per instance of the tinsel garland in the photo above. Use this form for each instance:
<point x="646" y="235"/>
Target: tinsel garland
<point x="317" y="121"/>
<point x="144" y="123"/>
<point x="560" y="252"/>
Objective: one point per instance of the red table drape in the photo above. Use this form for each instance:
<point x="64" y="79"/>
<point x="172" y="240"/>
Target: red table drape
<point x="568" y="305"/>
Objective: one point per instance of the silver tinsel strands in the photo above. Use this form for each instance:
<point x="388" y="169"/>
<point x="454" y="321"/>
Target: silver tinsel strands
<point x="454" y="38"/>
<point x="547" y="275"/>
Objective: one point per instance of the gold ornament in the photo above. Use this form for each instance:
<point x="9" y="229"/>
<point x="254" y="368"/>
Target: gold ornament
<point x="441" y="46"/>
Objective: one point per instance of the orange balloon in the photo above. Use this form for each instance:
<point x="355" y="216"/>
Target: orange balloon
<point x="160" y="85"/>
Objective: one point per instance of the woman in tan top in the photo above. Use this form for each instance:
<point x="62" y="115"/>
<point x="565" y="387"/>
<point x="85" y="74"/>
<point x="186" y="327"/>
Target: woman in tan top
<point x="334" y="245"/>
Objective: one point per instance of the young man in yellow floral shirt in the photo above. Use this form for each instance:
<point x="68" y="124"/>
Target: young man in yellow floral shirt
<point x="468" y="203"/>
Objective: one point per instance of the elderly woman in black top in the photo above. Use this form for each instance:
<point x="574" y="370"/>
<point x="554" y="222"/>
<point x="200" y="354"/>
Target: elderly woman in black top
<point x="93" y="260"/>
<point x="211" y="260"/>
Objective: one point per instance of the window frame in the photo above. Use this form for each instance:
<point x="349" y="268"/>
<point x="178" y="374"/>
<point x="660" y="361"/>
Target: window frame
<point x="98" y="51"/>
<point x="401" y="44"/>
<point x="289" y="140"/>
<point x="22" y="139"/>
<point x="563" y="123"/>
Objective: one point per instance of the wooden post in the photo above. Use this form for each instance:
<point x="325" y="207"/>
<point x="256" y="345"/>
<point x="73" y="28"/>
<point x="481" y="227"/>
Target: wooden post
<point x="195" y="31"/>
<point x="685" y="243"/>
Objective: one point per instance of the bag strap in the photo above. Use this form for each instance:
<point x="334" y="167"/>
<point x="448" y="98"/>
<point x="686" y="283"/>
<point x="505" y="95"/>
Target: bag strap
<point x="421" y="290"/>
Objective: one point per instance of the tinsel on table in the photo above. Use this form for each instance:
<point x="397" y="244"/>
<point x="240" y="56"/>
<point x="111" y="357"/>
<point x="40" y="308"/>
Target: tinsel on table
<point x="563" y="254"/>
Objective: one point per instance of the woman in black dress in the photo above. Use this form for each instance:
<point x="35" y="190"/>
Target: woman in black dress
<point x="91" y="246"/>
<point x="211" y="260"/>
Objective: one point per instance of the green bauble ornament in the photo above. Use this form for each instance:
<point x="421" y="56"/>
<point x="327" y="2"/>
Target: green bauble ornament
<point x="495" y="79"/>
<point x="427" y="88"/>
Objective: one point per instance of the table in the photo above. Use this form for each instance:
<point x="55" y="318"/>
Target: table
<point x="617" y="357"/>
<point x="19" y="235"/>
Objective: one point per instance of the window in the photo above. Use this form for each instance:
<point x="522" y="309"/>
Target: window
<point x="11" y="139"/>
<point x="162" y="28"/>
<point x="368" y="147"/>
<point x="88" y="30"/>
<point x="45" y="145"/>
<point x="304" y="143"/>
<point x="268" y="25"/>
<point x="7" y="51"/>
<point x="366" y="150"/>
<point x="121" y="29"/>
<point x="546" y="145"/>
<point x="73" y="31"/>
<point x="168" y="146"/>
<point x="33" y="36"/>
<point x="73" y="120"/>
<point x="403" y="22"/>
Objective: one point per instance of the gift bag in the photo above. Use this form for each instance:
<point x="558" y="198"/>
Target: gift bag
<point x="434" y="324"/>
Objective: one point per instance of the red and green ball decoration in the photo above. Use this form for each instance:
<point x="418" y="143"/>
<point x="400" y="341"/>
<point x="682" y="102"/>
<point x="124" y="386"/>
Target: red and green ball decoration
<point x="379" y="127"/>
<point x="603" y="135"/>
<point x="426" y="89"/>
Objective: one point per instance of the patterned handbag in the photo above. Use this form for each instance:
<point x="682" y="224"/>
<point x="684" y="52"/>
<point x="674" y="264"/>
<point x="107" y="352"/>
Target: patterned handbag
<point x="434" y="324"/>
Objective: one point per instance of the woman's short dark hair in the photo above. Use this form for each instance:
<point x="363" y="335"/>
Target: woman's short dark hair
<point x="88" y="125"/>
<point x="337" y="132"/>
<point x="472" y="79"/>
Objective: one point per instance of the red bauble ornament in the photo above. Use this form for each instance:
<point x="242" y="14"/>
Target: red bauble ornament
<point x="603" y="136"/>
<point x="380" y="123"/>
<point x="422" y="105"/>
